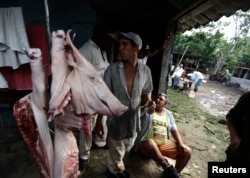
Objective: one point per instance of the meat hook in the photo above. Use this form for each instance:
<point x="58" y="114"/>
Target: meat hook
<point x="26" y="52"/>
<point x="73" y="37"/>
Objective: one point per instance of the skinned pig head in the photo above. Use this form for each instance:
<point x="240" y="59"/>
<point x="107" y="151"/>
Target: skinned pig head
<point x="89" y="93"/>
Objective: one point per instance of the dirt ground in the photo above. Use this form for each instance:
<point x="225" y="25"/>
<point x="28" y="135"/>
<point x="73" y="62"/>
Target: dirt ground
<point x="208" y="142"/>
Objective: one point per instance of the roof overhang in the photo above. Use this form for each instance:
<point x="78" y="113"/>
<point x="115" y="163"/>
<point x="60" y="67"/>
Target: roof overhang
<point x="187" y="14"/>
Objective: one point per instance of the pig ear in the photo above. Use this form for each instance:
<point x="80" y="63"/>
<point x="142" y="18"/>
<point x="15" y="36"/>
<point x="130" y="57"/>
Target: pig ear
<point x="80" y="59"/>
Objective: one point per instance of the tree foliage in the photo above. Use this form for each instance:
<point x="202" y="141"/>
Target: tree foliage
<point x="214" y="46"/>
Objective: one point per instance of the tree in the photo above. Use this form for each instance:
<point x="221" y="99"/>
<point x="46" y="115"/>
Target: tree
<point x="213" y="45"/>
<point x="204" y="44"/>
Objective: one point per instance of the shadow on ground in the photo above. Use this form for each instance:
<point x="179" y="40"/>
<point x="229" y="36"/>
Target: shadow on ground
<point x="17" y="162"/>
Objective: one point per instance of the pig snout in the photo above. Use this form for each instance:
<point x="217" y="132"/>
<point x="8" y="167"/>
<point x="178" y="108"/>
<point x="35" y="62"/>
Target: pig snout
<point x="115" y="107"/>
<point x="120" y="110"/>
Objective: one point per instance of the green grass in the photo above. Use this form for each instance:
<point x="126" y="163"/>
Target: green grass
<point x="200" y="130"/>
<point x="184" y="107"/>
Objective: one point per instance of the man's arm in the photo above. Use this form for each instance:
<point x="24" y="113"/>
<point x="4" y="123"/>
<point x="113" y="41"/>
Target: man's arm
<point x="164" y="45"/>
<point x="176" y="135"/>
<point x="148" y="104"/>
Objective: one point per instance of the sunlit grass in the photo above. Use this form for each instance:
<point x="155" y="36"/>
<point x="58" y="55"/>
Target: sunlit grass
<point x="184" y="107"/>
<point x="199" y="129"/>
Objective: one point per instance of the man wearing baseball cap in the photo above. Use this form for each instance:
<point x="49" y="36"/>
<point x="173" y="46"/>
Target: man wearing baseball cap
<point x="130" y="35"/>
<point x="131" y="83"/>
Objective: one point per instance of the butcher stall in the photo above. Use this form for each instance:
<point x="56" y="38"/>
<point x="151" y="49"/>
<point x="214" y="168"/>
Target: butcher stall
<point x="30" y="33"/>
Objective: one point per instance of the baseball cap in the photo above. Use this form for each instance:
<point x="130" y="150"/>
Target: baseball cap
<point x="130" y="35"/>
<point x="163" y="94"/>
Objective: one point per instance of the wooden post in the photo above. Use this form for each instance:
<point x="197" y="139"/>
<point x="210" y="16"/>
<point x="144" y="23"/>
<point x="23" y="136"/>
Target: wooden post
<point x="167" y="57"/>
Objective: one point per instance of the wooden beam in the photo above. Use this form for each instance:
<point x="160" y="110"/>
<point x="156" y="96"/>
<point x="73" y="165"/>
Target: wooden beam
<point x="167" y="57"/>
<point x="185" y="10"/>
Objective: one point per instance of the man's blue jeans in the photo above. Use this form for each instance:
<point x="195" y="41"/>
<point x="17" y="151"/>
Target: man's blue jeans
<point x="197" y="85"/>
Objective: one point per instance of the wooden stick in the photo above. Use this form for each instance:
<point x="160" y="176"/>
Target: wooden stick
<point x="225" y="137"/>
<point x="200" y="149"/>
<point x="209" y="130"/>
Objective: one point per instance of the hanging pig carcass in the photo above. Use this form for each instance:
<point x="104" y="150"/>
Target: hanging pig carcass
<point x="81" y="91"/>
<point x="89" y="92"/>
<point x="77" y="90"/>
<point x="31" y="118"/>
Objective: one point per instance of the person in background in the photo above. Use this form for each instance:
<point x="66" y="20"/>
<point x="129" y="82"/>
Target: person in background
<point x="226" y="75"/>
<point x="144" y="54"/>
<point x="154" y="139"/>
<point x="238" y="123"/>
<point x="178" y="72"/>
<point x="94" y="50"/>
<point x="131" y="83"/>
<point x="197" y="77"/>
<point x="179" y="67"/>
<point x="187" y="83"/>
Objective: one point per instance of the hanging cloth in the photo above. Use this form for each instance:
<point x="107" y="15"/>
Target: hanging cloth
<point x="13" y="38"/>
<point x="20" y="79"/>
<point x="3" y="82"/>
